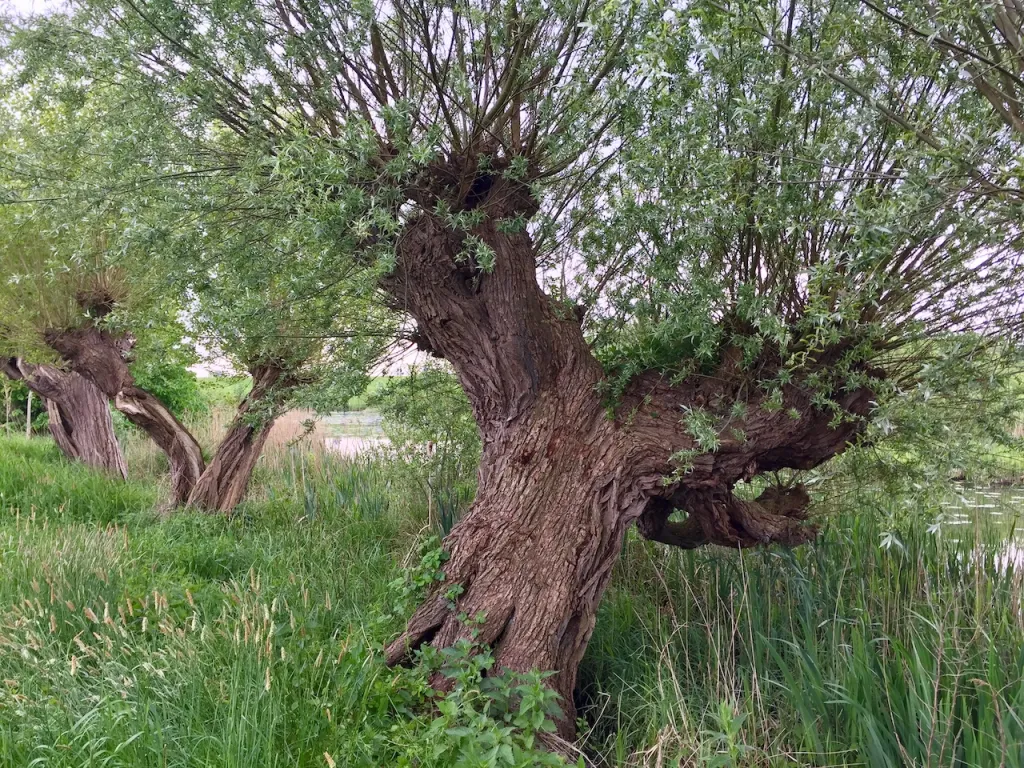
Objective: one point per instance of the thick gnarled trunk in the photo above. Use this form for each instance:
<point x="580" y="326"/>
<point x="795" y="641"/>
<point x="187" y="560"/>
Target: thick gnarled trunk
<point x="224" y="482"/>
<point x="80" y="421"/>
<point x="535" y="553"/>
<point x="561" y="481"/>
<point x="560" y="486"/>
<point x="101" y="358"/>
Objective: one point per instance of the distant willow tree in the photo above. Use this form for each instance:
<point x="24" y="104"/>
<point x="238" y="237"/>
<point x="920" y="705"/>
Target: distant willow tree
<point x="666" y="249"/>
<point x="97" y="260"/>
<point x="79" y="418"/>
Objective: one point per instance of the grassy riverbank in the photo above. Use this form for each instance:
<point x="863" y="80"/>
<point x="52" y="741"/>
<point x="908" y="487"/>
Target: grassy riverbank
<point x="132" y="638"/>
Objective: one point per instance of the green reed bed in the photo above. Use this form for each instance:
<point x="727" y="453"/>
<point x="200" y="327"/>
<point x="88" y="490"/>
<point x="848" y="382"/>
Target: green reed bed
<point x="839" y="653"/>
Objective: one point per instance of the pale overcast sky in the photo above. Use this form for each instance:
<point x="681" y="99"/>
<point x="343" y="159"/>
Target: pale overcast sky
<point x="29" y="6"/>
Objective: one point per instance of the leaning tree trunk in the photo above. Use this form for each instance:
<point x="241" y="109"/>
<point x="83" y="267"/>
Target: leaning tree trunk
<point x="224" y="482"/>
<point x="535" y="553"/>
<point x="560" y="480"/>
<point x="100" y="357"/>
<point x="556" y="493"/>
<point x="80" y="420"/>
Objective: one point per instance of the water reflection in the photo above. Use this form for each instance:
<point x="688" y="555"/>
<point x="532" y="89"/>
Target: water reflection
<point x="352" y="432"/>
<point x="352" y="445"/>
<point x="992" y="510"/>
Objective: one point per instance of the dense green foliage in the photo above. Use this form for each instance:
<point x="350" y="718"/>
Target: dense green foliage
<point x="433" y="439"/>
<point x="782" y="179"/>
<point x="224" y="391"/>
<point x="113" y="233"/>
<point x="789" y="213"/>
<point x="130" y="639"/>
<point x="161" y="366"/>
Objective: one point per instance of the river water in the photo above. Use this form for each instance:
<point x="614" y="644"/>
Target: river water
<point x="976" y="513"/>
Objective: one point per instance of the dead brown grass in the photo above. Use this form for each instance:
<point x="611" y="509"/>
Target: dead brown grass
<point x="145" y="459"/>
<point x="291" y="426"/>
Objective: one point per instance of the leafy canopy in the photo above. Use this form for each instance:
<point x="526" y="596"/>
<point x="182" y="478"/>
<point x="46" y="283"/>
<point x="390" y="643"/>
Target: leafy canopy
<point x="788" y="181"/>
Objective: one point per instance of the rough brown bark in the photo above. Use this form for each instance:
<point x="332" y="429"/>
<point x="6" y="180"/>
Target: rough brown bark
<point x="796" y="436"/>
<point x="80" y="420"/>
<point x="560" y="482"/>
<point x="225" y="480"/>
<point x="101" y="358"/>
<point x="535" y="553"/>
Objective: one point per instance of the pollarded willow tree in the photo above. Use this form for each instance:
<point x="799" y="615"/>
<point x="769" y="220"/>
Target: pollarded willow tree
<point x="260" y="296"/>
<point x="67" y="273"/>
<point x="665" y="250"/>
<point x="98" y="262"/>
<point x="49" y="297"/>
<point x="79" y="419"/>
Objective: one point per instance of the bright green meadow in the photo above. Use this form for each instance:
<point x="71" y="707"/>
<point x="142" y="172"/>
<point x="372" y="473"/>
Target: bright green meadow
<point x="134" y="637"/>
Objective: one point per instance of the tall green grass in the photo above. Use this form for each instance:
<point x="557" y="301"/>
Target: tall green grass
<point x="839" y="653"/>
<point x="34" y="479"/>
<point x="132" y="638"/>
<point x="128" y="639"/>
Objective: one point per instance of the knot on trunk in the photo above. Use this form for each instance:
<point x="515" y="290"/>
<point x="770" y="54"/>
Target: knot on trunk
<point x="100" y="356"/>
<point x="719" y="517"/>
<point x="422" y="343"/>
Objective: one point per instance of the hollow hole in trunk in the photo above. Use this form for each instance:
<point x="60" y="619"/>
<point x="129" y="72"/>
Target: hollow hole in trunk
<point x="426" y="639"/>
<point x="478" y="191"/>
